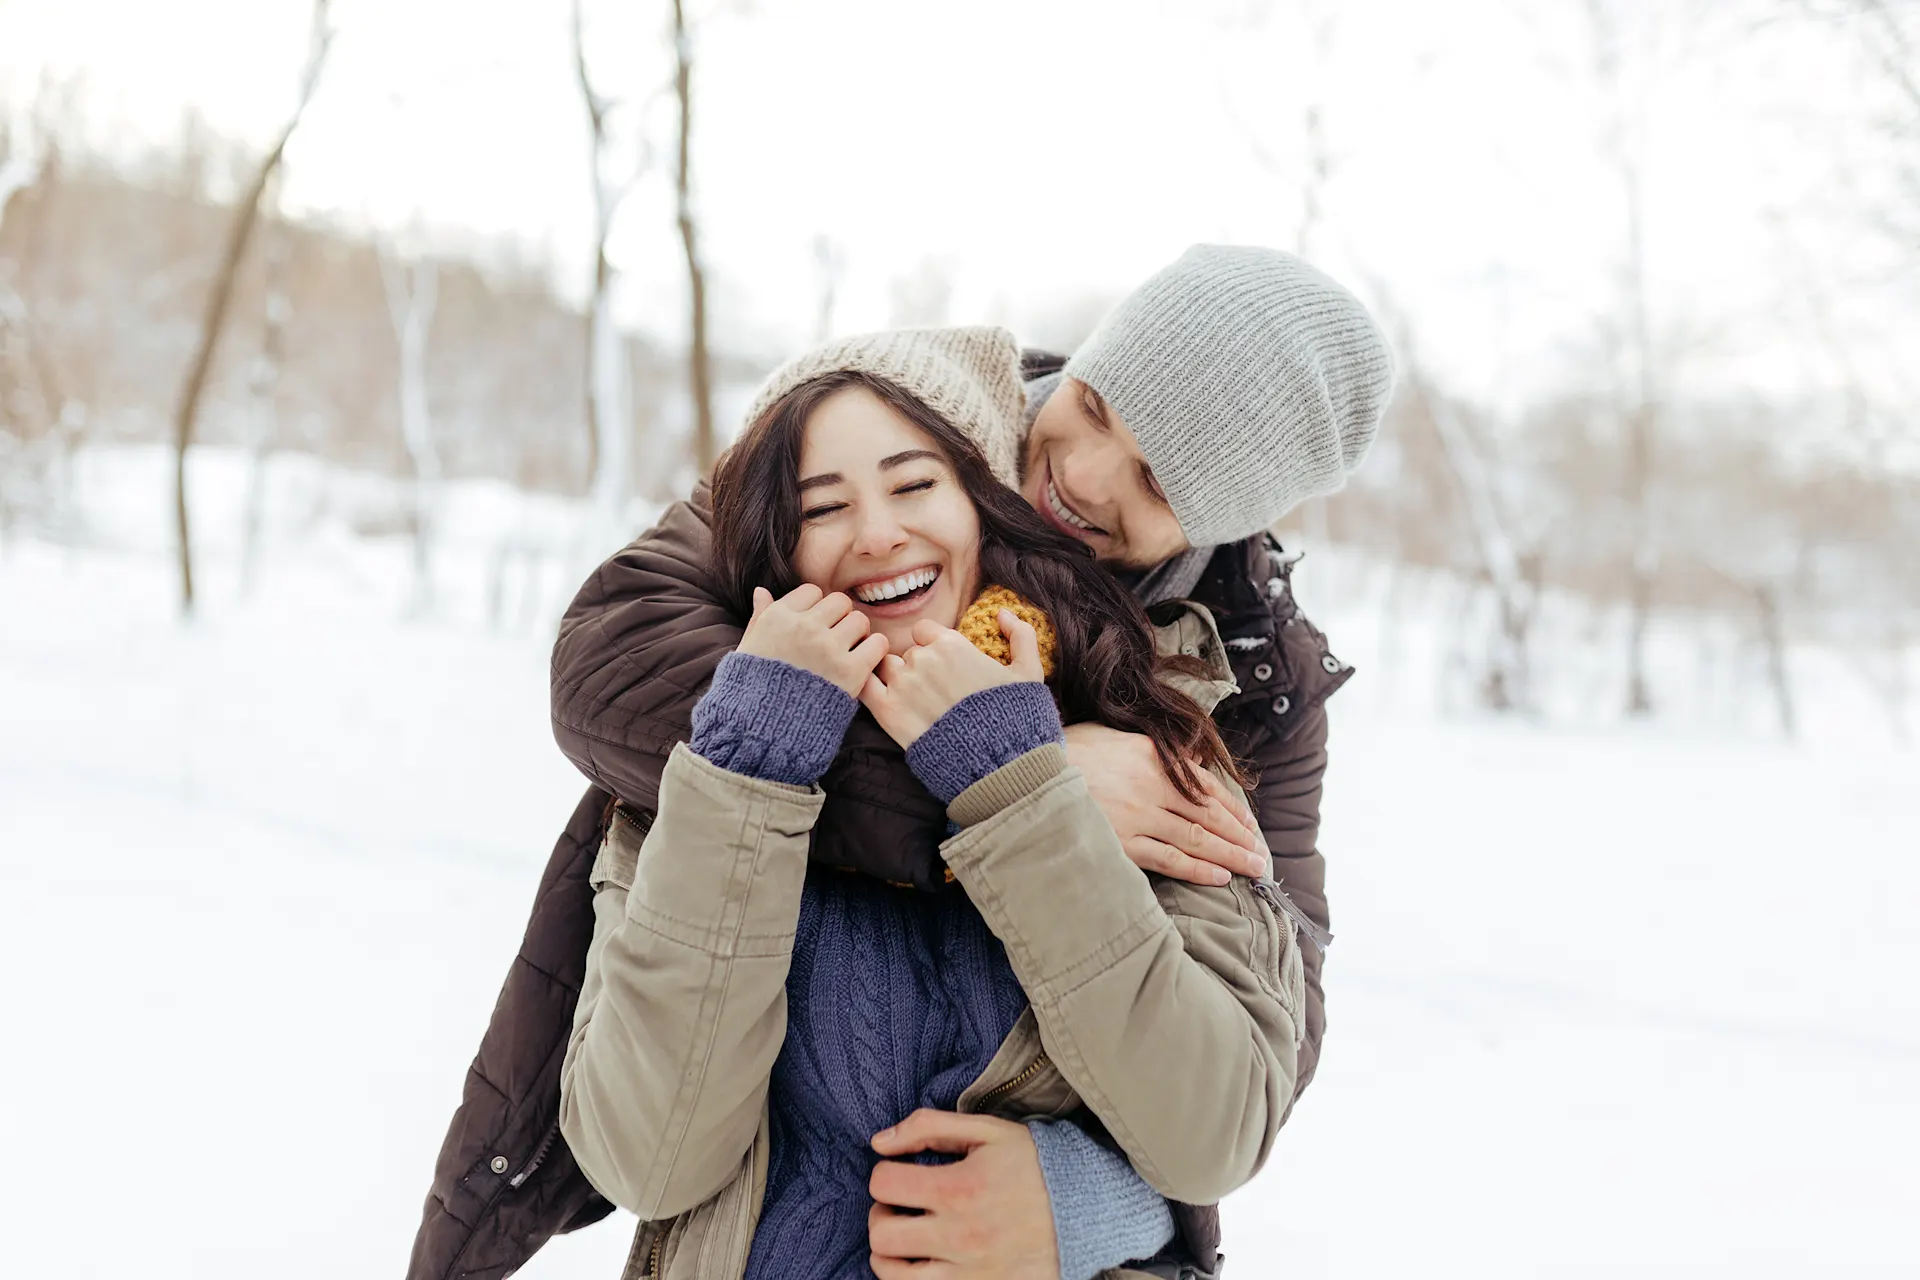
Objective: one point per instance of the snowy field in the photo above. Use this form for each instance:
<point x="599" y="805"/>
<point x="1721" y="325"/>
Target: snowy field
<point x="1605" y="1001"/>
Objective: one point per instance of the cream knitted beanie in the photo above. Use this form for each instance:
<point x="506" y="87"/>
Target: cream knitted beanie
<point x="970" y="377"/>
<point x="1251" y="380"/>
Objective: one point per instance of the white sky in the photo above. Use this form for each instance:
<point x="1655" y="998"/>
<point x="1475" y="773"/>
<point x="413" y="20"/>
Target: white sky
<point x="1048" y="155"/>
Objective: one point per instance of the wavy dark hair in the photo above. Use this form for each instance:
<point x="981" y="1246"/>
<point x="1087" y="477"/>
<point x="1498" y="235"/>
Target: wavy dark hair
<point x="1106" y="668"/>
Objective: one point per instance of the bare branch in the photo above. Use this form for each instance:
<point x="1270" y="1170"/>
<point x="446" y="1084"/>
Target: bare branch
<point x="699" y="371"/>
<point x="320" y="41"/>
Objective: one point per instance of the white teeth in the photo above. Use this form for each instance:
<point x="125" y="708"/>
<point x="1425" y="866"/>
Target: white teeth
<point x="1061" y="510"/>
<point x="874" y="593"/>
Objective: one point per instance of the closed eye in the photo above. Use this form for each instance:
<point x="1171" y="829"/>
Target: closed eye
<point x="824" y="509"/>
<point x="1152" y="485"/>
<point x="917" y="486"/>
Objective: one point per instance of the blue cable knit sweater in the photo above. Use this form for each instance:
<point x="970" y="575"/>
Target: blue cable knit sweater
<point x="895" y="1000"/>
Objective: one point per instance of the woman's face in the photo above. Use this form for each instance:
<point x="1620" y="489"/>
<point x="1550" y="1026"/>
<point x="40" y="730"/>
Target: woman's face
<point x="883" y="517"/>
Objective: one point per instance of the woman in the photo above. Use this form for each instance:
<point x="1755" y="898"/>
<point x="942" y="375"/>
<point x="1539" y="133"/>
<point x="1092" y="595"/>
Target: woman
<point x="747" y="1026"/>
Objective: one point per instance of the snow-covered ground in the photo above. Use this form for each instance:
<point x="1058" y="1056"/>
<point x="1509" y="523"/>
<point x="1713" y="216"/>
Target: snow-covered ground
<point x="1604" y="1001"/>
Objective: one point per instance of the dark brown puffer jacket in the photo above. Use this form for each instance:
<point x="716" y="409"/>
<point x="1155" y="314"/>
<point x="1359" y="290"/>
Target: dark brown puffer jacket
<point x="636" y="649"/>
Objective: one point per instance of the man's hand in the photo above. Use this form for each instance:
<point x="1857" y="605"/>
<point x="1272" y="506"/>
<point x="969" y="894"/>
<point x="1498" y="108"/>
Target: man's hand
<point x="908" y="693"/>
<point x="817" y="632"/>
<point x="1160" y="829"/>
<point x="986" y="1215"/>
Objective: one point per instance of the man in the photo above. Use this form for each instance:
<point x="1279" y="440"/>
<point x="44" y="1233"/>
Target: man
<point x="1231" y="386"/>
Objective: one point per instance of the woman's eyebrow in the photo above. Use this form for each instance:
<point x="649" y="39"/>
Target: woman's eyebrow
<point x="893" y="460"/>
<point x="887" y="463"/>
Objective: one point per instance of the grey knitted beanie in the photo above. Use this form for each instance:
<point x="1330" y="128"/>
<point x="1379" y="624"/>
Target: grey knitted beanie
<point x="1252" y="381"/>
<point x="970" y="377"/>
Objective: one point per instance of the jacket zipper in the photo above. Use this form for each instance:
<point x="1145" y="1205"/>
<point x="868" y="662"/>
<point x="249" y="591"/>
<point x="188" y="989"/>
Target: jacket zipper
<point x="539" y="1155"/>
<point x="1002" y="1090"/>
<point x="653" y="1254"/>
<point x="1279" y="901"/>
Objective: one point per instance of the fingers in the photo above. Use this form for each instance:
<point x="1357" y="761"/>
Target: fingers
<point x="1211" y="832"/>
<point x="831" y="608"/>
<point x="931" y="1130"/>
<point x="870" y="653"/>
<point x="905" y="1186"/>
<point x="892" y="1234"/>
<point x="911" y="1269"/>
<point x="762" y="600"/>
<point x="852" y="628"/>
<point x="1193" y="839"/>
<point x="1157" y="856"/>
<point x="926" y="632"/>
<point x="802" y="597"/>
<point x="891" y="667"/>
<point x="1229" y="799"/>
<point x="1024" y="641"/>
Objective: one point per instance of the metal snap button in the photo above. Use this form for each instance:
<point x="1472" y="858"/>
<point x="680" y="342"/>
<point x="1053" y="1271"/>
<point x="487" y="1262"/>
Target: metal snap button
<point x="498" y="1164"/>
<point x="1276" y="587"/>
<point x="1330" y="663"/>
<point x="1282" y="704"/>
<point x="1263" y="672"/>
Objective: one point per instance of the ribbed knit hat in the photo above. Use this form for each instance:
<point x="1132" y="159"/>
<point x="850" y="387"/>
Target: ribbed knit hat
<point x="970" y="377"/>
<point x="1252" y="382"/>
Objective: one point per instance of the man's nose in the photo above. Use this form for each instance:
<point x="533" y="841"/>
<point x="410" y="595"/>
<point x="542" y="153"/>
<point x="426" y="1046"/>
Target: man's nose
<point x="1088" y="477"/>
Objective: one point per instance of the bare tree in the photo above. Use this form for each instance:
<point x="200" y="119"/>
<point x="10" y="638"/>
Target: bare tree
<point x="320" y="40"/>
<point x="44" y="421"/>
<point x="699" y="364"/>
<point x="412" y="283"/>
<point x="609" y="399"/>
<point x="1512" y="570"/>
<point x="263" y="384"/>
<point x="1637" y="386"/>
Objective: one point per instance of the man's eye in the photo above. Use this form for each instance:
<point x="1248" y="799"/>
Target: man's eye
<point x="1154" y="490"/>
<point x="826" y="509"/>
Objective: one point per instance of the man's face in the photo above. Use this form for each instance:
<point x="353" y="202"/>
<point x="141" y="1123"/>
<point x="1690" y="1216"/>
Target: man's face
<point x="1084" y="472"/>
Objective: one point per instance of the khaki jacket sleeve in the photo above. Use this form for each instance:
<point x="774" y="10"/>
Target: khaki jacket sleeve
<point x="683" y="1009"/>
<point x="1182" y="1038"/>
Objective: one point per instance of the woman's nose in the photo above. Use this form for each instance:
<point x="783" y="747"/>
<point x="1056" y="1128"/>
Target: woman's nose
<point x="880" y="534"/>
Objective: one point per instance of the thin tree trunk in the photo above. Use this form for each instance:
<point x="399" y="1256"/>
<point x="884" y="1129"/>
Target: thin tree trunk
<point x="1766" y="599"/>
<point x="265" y="384"/>
<point x="699" y="373"/>
<point x="602" y="269"/>
<point x="214" y="319"/>
<point x="1642" y="392"/>
<point x="412" y="292"/>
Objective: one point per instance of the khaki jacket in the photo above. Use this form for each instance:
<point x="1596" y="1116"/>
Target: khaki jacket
<point x="1170" y="1011"/>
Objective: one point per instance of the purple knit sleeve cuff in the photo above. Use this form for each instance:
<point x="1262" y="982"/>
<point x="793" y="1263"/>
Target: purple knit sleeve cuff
<point x="772" y="721"/>
<point x="982" y="732"/>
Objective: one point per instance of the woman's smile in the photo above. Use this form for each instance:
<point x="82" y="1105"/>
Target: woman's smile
<point x="895" y="595"/>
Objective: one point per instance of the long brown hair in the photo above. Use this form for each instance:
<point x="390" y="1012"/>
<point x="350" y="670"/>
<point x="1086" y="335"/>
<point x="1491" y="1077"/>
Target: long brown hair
<point x="1106" y="665"/>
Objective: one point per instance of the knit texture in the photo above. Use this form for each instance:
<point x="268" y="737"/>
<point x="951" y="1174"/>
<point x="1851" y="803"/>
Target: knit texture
<point x="980" y="733"/>
<point x="970" y="377"/>
<point x="769" y="720"/>
<point x="1104" y="1214"/>
<point x="895" y="1001"/>
<point x="1252" y="382"/>
<point x="980" y="624"/>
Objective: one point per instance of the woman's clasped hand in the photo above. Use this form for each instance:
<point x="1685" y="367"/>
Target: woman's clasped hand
<point x="907" y="693"/>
